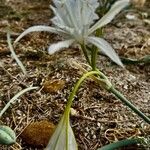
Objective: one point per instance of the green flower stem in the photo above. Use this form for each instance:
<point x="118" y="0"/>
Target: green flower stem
<point x="83" y="47"/>
<point x="120" y="144"/>
<point x="122" y="98"/>
<point x="111" y="89"/>
<point x="99" y="32"/>
<point x="71" y="97"/>
<point x="104" y="82"/>
<point x="129" y="104"/>
<point x="94" y="50"/>
<point x="101" y="79"/>
<point x="93" y="58"/>
<point x="75" y="89"/>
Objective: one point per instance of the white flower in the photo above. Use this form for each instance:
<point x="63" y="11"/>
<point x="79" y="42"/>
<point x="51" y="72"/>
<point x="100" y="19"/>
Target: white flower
<point x="74" y="20"/>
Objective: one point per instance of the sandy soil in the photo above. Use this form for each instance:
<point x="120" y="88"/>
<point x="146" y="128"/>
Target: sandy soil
<point x="99" y="118"/>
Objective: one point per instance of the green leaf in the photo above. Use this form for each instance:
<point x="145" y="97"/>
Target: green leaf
<point x="63" y="137"/>
<point x="115" y="9"/>
<point x="15" y="98"/>
<point x="7" y="135"/>
<point x="14" y="54"/>
<point x="119" y="144"/>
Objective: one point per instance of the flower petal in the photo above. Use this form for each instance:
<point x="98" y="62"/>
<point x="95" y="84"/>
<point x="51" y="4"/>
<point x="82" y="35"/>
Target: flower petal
<point x="115" y="9"/>
<point x="57" y="46"/>
<point x="105" y="47"/>
<point x="63" y="138"/>
<point x="74" y="14"/>
<point x="60" y="18"/>
<point x="40" y="28"/>
<point x="88" y="12"/>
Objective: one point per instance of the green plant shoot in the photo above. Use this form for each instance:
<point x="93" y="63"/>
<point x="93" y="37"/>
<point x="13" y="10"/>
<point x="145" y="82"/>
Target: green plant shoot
<point x="63" y="137"/>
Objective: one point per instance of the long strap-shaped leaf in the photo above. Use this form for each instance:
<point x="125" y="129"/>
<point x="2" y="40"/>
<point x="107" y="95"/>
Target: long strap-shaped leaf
<point x="63" y="137"/>
<point x="129" y="104"/>
<point x="115" y="9"/>
<point x="119" y="144"/>
<point x="15" y="98"/>
<point x="14" y="54"/>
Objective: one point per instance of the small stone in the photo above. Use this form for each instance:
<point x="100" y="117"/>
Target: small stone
<point x="87" y="129"/>
<point x="94" y="137"/>
<point x="98" y="124"/>
<point x="125" y="87"/>
<point x="131" y="77"/>
<point x="92" y="132"/>
<point x="73" y="112"/>
<point x="53" y="86"/>
<point x="130" y="17"/>
<point x="38" y="134"/>
<point x="85" y="134"/>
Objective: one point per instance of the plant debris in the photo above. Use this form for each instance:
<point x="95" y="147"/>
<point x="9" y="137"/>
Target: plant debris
<point x="37" y="134"/>
<point x="53" y="86"/>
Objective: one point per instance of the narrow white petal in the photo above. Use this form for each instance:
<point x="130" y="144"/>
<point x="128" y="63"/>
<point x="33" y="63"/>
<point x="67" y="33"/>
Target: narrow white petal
<point x="57" y="46"/>
<point x="69" y="5"/>
<point x="39" y="28"/>
<point x="61" y="16"/>
<point x="115" y="9"/>
<point x="59" y="19"/>
<point x="105" y="47"/>
<point x="88" y="13"/>
<point x="63" y="137"/>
